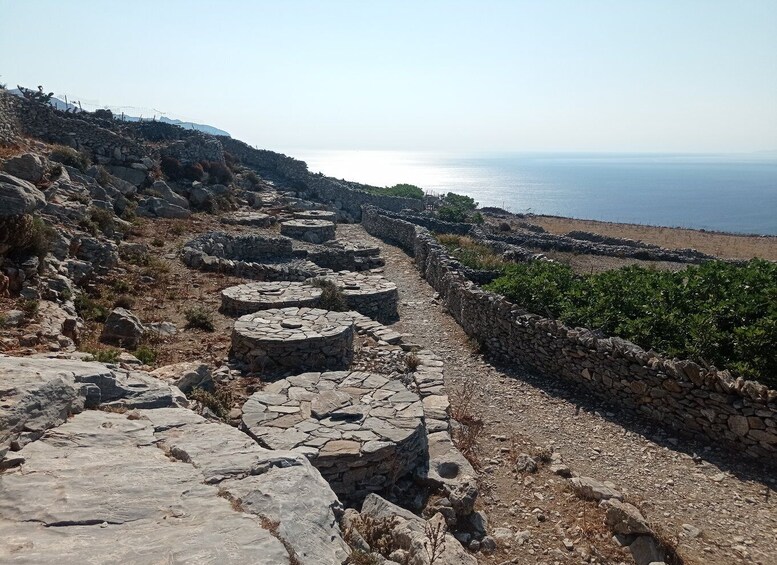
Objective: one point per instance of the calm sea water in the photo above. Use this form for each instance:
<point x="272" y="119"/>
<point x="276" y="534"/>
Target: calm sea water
<point x="727" y="193"/>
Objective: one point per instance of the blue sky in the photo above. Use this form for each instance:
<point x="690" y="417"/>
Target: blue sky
<point x="631" y="76"/>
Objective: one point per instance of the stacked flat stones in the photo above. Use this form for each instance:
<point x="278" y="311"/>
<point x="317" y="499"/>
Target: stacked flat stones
<point x="314" y="231"/>
<point x="371" y="295"/>
<point x="256" y="219"/>
<point x="252" y="297"/>
<point x="293" y="339"/>
<point x="361" y="430"/>
<point x="316" y="215"/>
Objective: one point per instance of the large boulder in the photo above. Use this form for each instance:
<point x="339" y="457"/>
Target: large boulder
<point x="152" y="206"/>
<point x="18" y="196"/>
<point x="40" y="393"/>
<point x="167" y="194"/>
<point x="122" y="328"/>
<point x="29" y="167"/>
<point x="131" y="175"/>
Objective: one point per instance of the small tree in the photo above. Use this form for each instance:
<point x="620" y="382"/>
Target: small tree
<point x="36" y="95"/>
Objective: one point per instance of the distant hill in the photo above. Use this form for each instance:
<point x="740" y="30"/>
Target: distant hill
<point x="65" y="106"/>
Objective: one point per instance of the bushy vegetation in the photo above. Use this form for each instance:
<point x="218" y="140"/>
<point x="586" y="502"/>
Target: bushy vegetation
<point x="70" y="157"/>
<point x="470" y="253"/>
<point x="145" y="354"/>
<point x="459" y="208"/>
<point x="105" y="355"/>
<point x="199" y="318"/>
<point x="332" y="297"/>
<point x="171" y="167"/>
<point x="26" y="236"/>
<point x="217" y="173"/>
<point x="717" y="313"/>
<point x="403" y="190"/>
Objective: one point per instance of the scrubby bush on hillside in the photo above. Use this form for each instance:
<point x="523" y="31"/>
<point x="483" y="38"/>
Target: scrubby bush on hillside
<point x="70" y="157"/>
<point x="217" y="173"/>
<point x="25" y="236"/>
<point x="193" y="172"/>
<point x="471" y="253"/>
<point x="171" y="167"/>
<point x="718" y="313"/>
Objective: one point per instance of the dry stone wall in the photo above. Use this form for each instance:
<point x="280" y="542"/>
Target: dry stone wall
<point x="709" y="404"/>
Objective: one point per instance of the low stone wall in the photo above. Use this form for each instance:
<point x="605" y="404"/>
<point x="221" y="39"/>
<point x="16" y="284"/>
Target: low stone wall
<point x="708" y="404"/>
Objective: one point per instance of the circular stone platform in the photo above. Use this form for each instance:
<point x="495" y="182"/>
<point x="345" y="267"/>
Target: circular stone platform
<point x="298" y="339"/>
<point x="252" y="297"/>
<point x="314" y="231"/>
<point x="362" y="431"/>
<point x="257" y="219"/>
<point x="371" y="295"/>
<point x="316" y="215"/>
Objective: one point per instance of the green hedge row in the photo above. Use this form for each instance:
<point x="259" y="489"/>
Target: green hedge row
<point x="718" y="313"/>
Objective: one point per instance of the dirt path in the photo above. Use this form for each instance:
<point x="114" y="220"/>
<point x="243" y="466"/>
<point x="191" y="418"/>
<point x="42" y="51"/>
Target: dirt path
<point x="732" y="505"/>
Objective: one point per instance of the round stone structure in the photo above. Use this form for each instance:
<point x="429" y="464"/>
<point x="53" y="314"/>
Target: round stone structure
<point x="314" y="231"/>
<point x="256" y="219"/>
<point x="371" y="295"/>
<point x="293" y="339"/>
<point x="361" y="430"/>
<point x="252" y="297"/>
<point x="316" y="215"/>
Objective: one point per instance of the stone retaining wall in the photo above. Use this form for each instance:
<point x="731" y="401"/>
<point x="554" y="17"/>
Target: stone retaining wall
<point x="9" y="125"/>
<point x="709" y="404"/>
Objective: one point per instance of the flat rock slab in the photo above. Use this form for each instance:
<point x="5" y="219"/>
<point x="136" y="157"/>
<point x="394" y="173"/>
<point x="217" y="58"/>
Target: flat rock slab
<point x="158" y="486"/>
<point x="357" y="428"/>
<point x="252" y="297"/>
<point x="37" y="394"/>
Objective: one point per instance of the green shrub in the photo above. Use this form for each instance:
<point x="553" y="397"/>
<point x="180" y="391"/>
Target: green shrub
<point x="124" y="301"/>
<point x="252" y="178"/>
<point x="459" y="208"/>
<point x="199" y="318"/>
<point x="145" y="354"/>
<point x="106" y="355"/>
<point x="30" y="308"/>
<point x="219" y="402"/>
<point x="70" y="157"/>
<point x="89" y="309"/>
<point x="403" y="190"/>
<point x="719" y="313"/>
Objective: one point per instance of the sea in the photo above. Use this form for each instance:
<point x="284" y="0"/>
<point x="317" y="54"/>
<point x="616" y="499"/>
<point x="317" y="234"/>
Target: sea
<point x="730" y="193"/>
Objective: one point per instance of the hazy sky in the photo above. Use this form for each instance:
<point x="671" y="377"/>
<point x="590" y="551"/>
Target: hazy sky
<point x="474" y="76"/>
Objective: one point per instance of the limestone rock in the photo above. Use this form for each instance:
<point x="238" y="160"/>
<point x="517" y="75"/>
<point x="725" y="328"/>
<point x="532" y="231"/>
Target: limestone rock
<point x="18" y="196"/>
<point x="122" y="328"/>
<point x="126" y="502"/>
<point x="409" y="533"/>
<point x="624" y="518"/>
<point x="591" y="489"/>
<point x="29" y="167"/>
<point x="186" y="376"/>
<point x="646" y="550"/>
<point x="447" y="466"/>
<point x="167" y="194"/>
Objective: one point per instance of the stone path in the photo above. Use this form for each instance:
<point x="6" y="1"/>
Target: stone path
<point x="731" y="503"/>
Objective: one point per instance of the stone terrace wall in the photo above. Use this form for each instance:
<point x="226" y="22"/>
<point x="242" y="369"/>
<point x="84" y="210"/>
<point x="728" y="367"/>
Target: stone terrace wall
<point x="707" y="404"/>
<point x="43" y="122"/>
<point x="266" y="161"/>
<point x="9" y="125"/>
<point x="351" y="200"/>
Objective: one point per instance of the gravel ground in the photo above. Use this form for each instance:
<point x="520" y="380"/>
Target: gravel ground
<point x="714" y="506"/>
